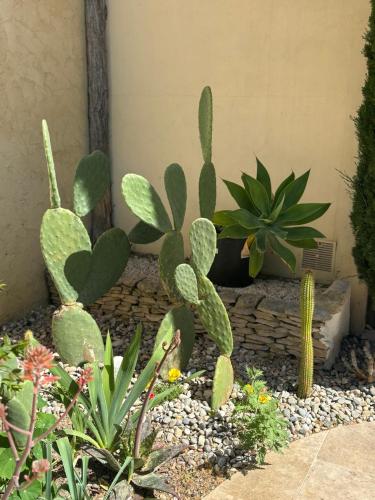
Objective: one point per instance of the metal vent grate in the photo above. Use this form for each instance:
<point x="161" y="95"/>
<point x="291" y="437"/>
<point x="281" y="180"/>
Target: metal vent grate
<point x="321" y="258"/>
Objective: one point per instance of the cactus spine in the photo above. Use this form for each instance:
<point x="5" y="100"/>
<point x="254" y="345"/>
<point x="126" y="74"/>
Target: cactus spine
<point x="306" y="368"/>
<point x="187" y="284"/>
<point x="80" y="273"/>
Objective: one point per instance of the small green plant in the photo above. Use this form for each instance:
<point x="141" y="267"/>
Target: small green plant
<point x="260" y="425"/>
<point x="367" y="373"/>
<point x="266" y="219"/>
<point x="76" y="482"/>
<point x="24" y="428"/>
<point x="306" y="369"/>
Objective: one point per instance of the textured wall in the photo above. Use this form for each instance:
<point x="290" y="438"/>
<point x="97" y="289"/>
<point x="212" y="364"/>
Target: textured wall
<point x="286" y="77"/>
<point x="42" y="57"/>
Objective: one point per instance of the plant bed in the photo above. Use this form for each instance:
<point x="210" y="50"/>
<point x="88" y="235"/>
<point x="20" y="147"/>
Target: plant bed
<point x="213" y="450"/>
<point x="265" y="316"/>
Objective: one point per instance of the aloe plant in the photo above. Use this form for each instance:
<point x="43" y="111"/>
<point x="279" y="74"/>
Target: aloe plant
<point x="268" y="220"/>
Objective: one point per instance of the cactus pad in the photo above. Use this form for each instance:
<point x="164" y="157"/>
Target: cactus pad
<point x="171" y="255"/>
<point x="205" y="123"/>
<point x="142" y="233"/>
<point x="202" y="236"/>
<point x="91" y="181"/>
<point x="214" y="316"/>
<point x="76" y="334"/>
<point x="175" y="186"/>
<point x="53" y="189"/>
<point x="106" y="265"/>
<point x="144" y="202"/>
<point x="207" y="191"/>
<point x="186" y="282"/>
<point x="179" y="318"/>
<point x="223" y="382"/>
<point x="62" y="234"/>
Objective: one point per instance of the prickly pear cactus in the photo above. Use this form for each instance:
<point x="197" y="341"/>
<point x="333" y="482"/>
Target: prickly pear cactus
<point x="209" y="306"/>
<point x="80" y="273"/>
<point x="207" y="179"/>
<point x="223" y="382"/>
<point x="306" y="368"/>
<point x="178" y="318"/>
<point x="76" y="335"/>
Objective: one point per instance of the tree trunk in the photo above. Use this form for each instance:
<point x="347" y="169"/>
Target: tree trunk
<point x="97" y="89"/>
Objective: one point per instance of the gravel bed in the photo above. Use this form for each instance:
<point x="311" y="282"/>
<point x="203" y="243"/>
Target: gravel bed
<point x="337" y="396"/>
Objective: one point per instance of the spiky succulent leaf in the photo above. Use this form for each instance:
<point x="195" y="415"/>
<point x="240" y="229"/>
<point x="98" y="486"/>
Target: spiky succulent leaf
<point x="152" y="481"/>
<point x="235" y="231"/>
<point x="61" y="235"/>
<point x="207" y="191"/>
<point x="239" y="195"/>
<point x="76" y="335"/>
<point x="142" y="234"/>
<point x="303" y="243"/>
<point x="175" y="186"/>
<point x="205" y="123"/>
<point x="280" y="191"/>
<point x="256" y="258"/>
<point x="144" y="202"/>
<point x="91" y="181"/>
<point x="294" y="191"/>
<point x="214" y="316"/>
<point x="179" y="318"/>
<point x="106" y="265"/>
<point x="302" y="233"/>
<point x="258" y="194"/>
<point x="264" y="178"/>
<point x="302" y="213"/>
<point x="157" y="458"/>
<point x="171" y="255"/>
<point x="186" y="282"/>
<point x="223" y="382"/>
<point x="202" y="237"/>
<point x="283" y="252"/>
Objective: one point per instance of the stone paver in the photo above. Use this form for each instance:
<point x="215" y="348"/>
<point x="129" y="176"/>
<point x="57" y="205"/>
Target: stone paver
<point x="338" y="464"/>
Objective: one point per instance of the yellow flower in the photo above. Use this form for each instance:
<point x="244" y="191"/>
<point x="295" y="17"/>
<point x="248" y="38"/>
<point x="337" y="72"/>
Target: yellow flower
<point x="248" y="389"/>
<point x="174" y="374"/>
<point x="263" y="398"/>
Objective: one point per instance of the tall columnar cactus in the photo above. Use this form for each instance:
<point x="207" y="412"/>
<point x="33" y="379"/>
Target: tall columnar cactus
<point x="307" y="352"/>
<point x="186" y="284"/>
<point x="80" y="272"/>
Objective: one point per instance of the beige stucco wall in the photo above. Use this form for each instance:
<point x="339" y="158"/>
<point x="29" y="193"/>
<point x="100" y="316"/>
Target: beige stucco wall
<point x="42" y="54"/>
<point x="286" y="77"/>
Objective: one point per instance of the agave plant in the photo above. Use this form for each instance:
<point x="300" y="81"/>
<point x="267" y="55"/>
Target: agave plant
<point x="268" y="220"/>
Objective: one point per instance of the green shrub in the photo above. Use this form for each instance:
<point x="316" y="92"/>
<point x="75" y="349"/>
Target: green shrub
<point x="260" y="426"/>
<point x="363" y="183"/>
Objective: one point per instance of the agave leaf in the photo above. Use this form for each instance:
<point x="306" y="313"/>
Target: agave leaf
<point x="258" y="194"/>
<point x="246" y="219"/>
<point x="153" y="482"/>
<point x="260" y="239"/>
<point x="276" y="210"/>
<point x="103" y="456"/>
<point x="256" y="259"/>
<point x="302" y="213"/>
<point x="303" y="243"/>
<point x="283" y="252"/>
<point x="239" y="195"/>
<point x="302" y="233"/>
<point x="159" y="457"/>
<point x="235" y="231"/>
<point x="294" y="191"/>
<point x="264" y="178"/>
<point x="223" y="218"/>
<point x="280" y="191"/>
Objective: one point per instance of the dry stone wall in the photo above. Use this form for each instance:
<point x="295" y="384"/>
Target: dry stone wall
<point x="264" y="316"/>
